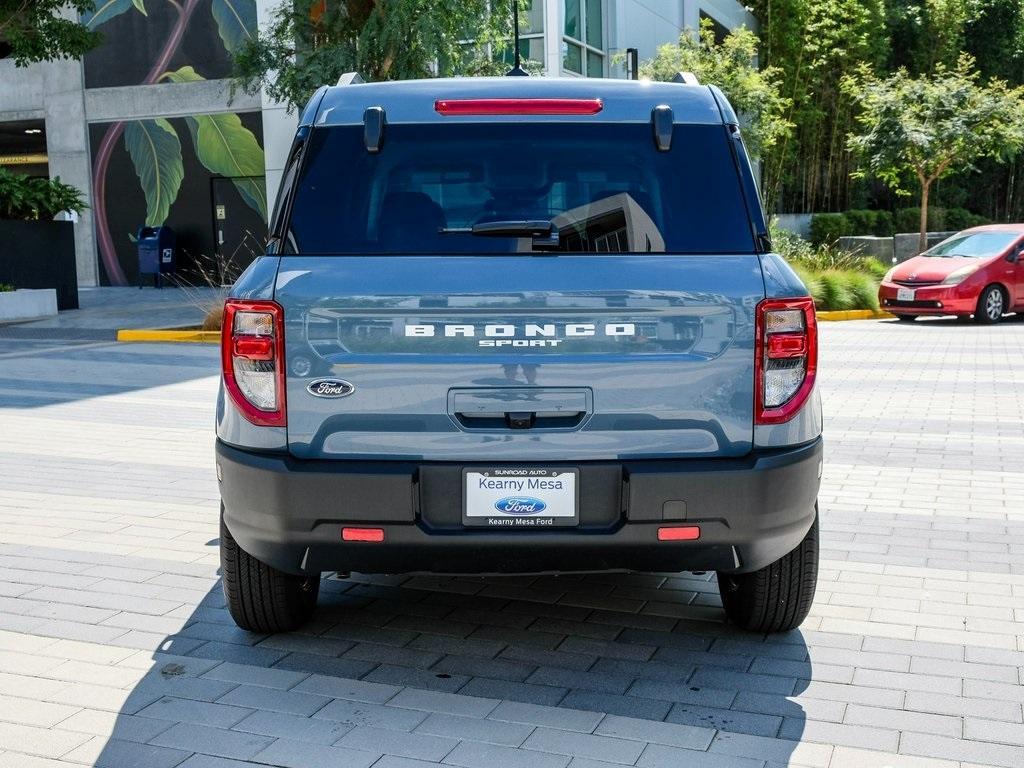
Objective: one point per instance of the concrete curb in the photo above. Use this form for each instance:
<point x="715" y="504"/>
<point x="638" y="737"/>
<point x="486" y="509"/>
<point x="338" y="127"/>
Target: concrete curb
<point x="201" y="337"/>
<point x="852" y="314"/>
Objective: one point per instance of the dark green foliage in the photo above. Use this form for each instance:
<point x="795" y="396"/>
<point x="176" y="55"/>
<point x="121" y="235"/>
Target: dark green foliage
<point x="828" y="227"/>
<point x="28" y="197"/>
<point x="861" y="222"/>
<point x="306" y="46"/>
<point x="6" y="288"/>
<point x="35" y="32"/>
<point x="885" y="224"/>
<point x="939" y="219"/>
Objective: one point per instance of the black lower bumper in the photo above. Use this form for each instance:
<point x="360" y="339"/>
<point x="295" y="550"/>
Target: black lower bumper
<point x="289" y="513"/>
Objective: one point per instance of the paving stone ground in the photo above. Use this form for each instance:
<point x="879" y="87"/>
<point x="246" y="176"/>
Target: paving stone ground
<point x="116" y="649"/>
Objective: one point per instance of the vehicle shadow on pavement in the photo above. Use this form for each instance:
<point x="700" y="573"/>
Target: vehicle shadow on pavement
<point x="374" y="674"/>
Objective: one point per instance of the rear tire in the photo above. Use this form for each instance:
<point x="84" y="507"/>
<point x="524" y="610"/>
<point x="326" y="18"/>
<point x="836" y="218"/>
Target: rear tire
<point x="778" y="597"/>
<point x="991" y="306"/>
<point x="906" y="318"/>
<point x="261" y="598"/>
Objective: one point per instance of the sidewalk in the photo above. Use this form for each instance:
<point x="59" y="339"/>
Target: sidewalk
<point x="106" y="310"/>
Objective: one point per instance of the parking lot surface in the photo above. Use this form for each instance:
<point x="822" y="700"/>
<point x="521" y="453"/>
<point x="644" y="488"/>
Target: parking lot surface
<point x="116" y="648"/>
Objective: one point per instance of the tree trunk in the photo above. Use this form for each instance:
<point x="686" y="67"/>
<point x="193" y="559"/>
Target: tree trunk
<point x="922" y="243"/>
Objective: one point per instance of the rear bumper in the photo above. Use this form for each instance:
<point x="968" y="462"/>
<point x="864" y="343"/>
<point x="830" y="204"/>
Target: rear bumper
<point x="288" y="513"/>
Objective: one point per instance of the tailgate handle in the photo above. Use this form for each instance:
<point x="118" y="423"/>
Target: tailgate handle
<point x="520" y="419"/>
<point x="520" y="408"/>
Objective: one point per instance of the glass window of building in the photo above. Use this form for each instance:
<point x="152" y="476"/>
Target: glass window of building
<point x="583" y="38"/>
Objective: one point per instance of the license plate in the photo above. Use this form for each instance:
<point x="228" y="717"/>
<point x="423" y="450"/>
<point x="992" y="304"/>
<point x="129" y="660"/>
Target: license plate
<point x="515" y="498"/>
<point x="904" y="294"/>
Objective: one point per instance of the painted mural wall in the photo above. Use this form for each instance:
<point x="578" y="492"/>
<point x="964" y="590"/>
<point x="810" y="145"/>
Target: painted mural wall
<point x="203" y="174"/>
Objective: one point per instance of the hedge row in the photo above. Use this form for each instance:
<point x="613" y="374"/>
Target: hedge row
<point x="829" y="227"/>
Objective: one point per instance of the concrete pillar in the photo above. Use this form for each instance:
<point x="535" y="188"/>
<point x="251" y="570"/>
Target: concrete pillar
<point x="553" y="37"/>
<point x="278" y="125"/>
<point x="67" y="144"/>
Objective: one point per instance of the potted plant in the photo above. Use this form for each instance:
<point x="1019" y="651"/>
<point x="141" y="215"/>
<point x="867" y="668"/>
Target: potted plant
<point x="39" y="252"/>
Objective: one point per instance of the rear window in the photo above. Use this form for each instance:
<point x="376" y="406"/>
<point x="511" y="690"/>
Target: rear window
<point x="541" y="187"/>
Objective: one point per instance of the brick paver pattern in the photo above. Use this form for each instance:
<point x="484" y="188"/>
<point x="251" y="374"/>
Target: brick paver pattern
<point x="116" y="648"/>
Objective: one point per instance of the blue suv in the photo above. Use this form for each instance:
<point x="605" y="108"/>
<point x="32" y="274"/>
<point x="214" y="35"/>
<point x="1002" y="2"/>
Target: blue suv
<point x="519" y="325"/>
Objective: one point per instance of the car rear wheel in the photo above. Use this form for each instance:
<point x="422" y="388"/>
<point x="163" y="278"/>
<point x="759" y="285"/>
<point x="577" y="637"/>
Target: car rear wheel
<point x="261" y="598"/>
<point x="991" y="305"/>
<point x="906" y="318"/>
<point x="778" y="597"/>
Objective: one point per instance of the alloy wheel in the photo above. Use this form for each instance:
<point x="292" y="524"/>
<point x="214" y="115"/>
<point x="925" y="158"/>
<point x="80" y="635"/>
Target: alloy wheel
<point x="994" y="304"/>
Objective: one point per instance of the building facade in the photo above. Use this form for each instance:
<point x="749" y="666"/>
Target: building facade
<point x="147" y="125"/>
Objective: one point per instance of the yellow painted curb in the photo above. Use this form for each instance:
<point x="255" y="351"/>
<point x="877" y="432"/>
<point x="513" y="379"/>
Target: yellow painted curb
<point x="852" y="314"/>
<point x="202" y="337"/>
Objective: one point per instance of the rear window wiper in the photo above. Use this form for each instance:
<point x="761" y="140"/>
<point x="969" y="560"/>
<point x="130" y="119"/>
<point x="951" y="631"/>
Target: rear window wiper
<point x="543" y="232"/>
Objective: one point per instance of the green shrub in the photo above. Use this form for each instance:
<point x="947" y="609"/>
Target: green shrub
<point x="30" y="197"/>
<point x="875" y="268"/>
<point x="835" y="292"/>
<point x="828" y="227"/>
<point x="885" y="224"/>
<point x="863" y="289"/>
<point x="961" y="218"/>
<point x="6" y="288"/>
<point x="861" y="222"/>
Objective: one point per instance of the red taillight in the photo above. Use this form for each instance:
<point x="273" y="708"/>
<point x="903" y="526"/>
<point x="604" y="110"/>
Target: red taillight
<point x="254" y="347"/>
<point x="785" y="358"/>
<point x="782" y="345"/>
<point x="372" y="535"/>
<point x="679" y="533"/>
<point x="518" y="106"/>
<point x="252" y="360"/>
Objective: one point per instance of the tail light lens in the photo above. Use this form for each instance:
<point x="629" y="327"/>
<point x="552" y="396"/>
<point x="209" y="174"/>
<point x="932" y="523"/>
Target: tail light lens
<point x="252" y="360"/>
<point x="786" y="359"/>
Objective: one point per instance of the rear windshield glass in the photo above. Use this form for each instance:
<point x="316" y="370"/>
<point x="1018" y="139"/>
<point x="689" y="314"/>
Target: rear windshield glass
<point x="512" y="188"/>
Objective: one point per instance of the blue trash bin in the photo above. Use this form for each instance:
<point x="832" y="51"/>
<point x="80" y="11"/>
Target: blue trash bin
<point x="158" y="254"/>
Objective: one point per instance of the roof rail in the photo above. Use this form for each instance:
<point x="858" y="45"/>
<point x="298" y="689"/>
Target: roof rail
<point x="686" y="78"/>
<point x="350" y="78"/>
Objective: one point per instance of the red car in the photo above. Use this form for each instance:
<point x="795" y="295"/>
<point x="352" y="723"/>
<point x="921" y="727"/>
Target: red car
<point x="979" y="272"/>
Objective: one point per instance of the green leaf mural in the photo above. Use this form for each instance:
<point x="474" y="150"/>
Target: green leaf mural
<point x="236" y="21"/>
<point x="227" y="148"/>
<point x="107" y="9"/>
<point x="141" y="5"/>
<point x="156" y="154"/>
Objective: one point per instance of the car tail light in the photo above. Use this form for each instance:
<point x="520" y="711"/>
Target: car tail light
<point x="252" y="360"/>
<point x="518" y="106"/>
<point x="786" y="358"/>
<point x="370" y="535"/>
<point x="679" y="533"/>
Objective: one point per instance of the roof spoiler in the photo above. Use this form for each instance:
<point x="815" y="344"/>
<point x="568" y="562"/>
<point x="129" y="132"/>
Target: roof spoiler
<point x="685" y="78"/>
<point x="350" y="78"/>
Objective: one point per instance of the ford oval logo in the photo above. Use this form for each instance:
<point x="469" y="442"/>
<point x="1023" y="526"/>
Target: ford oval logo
<point x="520" y="505"/>
<point x="330" y="388"/>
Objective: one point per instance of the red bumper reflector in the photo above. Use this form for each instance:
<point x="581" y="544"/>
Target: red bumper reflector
<point x="679" y="533"/>
<point x="787" y="345"/>
<point x="254" y="347"/>
<point x="362" y="534"/>
<point x="518" y="106"/>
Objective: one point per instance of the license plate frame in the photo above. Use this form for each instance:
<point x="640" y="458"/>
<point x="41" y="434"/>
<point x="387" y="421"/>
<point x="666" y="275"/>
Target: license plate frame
<point x="480" y="504"/>
<point x="905" y="294"/>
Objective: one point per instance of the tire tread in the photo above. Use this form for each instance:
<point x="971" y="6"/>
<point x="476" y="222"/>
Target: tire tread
<point x="778" y="597"/>
<point x="261" y="598"/>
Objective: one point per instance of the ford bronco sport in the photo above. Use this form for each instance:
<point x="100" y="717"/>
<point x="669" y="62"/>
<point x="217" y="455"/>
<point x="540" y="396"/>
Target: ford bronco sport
<point x="519" y="325"/>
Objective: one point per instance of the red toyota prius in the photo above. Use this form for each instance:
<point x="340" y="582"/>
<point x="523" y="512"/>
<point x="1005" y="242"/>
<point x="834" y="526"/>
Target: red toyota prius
<point x="978" y="271"/>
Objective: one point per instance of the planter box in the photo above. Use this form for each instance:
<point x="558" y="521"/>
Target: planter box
<point x="21" y="305"/>
<point x="40" y="254"/>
